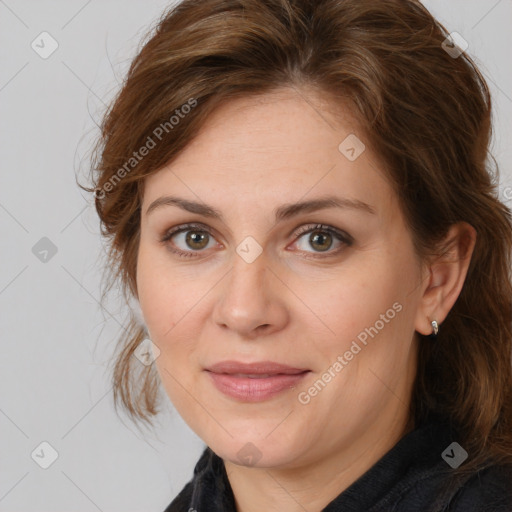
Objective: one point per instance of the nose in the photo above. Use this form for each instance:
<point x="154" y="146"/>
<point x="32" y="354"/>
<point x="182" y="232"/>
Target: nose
<point x="251" y="299"/>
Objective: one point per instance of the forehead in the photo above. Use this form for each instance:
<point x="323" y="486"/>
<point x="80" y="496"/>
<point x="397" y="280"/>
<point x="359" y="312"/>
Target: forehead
<point x="274" y="148"/>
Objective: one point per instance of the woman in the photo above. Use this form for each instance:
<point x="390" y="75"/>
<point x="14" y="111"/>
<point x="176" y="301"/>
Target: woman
<point x="297" y="194"/>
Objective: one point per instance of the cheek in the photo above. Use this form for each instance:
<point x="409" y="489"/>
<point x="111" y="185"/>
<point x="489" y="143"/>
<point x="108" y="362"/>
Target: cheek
<point x="350" y="301"/>
<point x="173" y="302"/>
<point x="157" y="291"/>
<point x="166" y="305"/>
<point x="366" y="314"/>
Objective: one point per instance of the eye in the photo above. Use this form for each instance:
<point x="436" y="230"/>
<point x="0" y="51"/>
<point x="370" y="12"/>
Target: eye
<point x="192" y="238"/>
<point x="322" y="238"/>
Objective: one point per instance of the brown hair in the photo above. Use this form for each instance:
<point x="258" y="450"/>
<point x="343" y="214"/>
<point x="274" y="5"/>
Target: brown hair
<point x="425" y="113"/>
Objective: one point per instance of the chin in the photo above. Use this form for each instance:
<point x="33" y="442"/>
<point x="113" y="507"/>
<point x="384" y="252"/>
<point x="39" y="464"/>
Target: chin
<point x="258" y="451"/>
<point x="251" y="455"/>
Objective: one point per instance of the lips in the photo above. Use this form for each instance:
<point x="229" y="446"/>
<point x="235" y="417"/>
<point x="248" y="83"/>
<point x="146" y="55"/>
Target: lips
<point x="257" y="369"/>
<point x="254" y="382"/>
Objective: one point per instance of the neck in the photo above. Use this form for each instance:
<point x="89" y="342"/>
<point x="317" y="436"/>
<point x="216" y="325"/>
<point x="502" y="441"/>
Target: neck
<point x="314" y="486"/>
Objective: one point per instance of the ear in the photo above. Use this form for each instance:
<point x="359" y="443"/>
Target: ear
<point x="445" y="276"/>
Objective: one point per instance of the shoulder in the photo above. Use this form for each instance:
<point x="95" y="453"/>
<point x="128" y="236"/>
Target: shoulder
<point x="208" y="486"/>
<point x="183" y="500"/>
<point x="486" y="490"/>
<point x="489" y="490"/>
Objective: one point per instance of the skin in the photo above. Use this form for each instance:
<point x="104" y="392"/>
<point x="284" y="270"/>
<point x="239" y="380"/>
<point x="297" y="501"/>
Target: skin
<point x="252" y="156"/>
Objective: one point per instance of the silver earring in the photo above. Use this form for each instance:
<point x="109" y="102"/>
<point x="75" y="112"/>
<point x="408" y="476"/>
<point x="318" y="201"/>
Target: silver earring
<point x="435" y="329"/>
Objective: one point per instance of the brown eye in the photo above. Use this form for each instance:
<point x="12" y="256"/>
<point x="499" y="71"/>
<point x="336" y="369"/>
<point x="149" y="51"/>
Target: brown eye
<point x="197" y="239"/>
<point x="188" y="240"/>
<point x="320" y="240"/>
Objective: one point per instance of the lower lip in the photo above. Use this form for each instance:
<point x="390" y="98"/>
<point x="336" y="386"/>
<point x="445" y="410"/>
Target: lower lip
<point x="248" y="389"/>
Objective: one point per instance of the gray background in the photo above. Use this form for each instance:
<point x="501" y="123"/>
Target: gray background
<point x="56" y="340"/>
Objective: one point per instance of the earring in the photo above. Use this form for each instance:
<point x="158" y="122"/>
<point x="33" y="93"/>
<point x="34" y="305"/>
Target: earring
<point x="435" y="329"/>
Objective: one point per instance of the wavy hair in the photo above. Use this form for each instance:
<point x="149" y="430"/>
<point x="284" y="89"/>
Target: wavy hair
<point x="426" y="114"/>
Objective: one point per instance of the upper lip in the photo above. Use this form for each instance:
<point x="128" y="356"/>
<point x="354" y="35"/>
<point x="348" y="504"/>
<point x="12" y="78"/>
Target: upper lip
<point x="259" y="367"/>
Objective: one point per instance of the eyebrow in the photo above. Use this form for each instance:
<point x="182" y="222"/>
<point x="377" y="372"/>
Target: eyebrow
<point x="284" y="212"/>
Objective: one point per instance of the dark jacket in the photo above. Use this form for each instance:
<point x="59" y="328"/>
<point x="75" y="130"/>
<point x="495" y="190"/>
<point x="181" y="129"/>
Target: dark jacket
<point x="408" y="478"/>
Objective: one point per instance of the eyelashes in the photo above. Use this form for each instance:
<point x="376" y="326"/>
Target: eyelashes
<point x="319" y="232"/>
<point x="335" y="234"/>
<point x="194" y="228"/>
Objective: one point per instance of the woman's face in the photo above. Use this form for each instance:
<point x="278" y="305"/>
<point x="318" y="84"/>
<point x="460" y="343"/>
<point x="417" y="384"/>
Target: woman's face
<point x="256" y="281"/>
